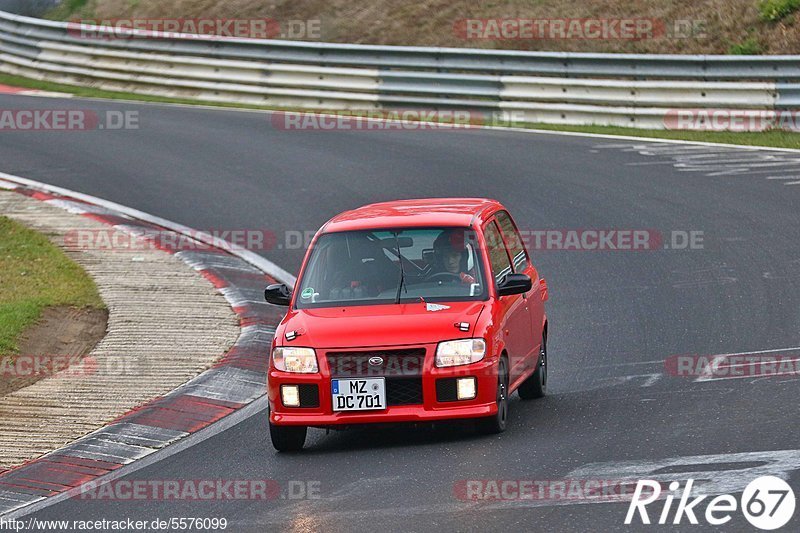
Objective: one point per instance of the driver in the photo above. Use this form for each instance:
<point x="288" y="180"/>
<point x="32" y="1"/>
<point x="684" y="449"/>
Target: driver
<point x="450" y="255"/>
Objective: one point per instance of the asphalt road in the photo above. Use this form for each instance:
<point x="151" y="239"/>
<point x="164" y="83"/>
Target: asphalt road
<point x="615" y="316"/>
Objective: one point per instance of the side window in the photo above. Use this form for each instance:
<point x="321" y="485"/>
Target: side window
<point x="498" y="256"/>
<point x="513" y="240"/>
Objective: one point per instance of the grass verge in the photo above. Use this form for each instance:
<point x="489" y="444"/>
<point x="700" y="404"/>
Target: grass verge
<point x="35" y="274"/>
<point x="772" y="138"/>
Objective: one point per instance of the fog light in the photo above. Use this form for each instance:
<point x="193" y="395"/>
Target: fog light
<point x="290" y="395"/>
<point x="466" y="388"/>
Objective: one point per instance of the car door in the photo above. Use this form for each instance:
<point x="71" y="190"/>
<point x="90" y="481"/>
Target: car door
<point x="516" y="321"/>
<point x="521" y="263"/>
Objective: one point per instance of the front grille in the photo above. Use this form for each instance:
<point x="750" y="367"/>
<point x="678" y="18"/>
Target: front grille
<point x="402" y="369"/>
<point x="405" y="363"/>
<point x="403" y="391"/>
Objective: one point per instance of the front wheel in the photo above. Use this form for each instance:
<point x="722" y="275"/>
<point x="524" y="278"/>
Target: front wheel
<point x="536" y="385"/>
<point x="497" y="423"/>
<point x="288" y="438"/>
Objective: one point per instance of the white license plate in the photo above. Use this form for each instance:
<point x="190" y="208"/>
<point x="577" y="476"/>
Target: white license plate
<point x="360" y="394"/>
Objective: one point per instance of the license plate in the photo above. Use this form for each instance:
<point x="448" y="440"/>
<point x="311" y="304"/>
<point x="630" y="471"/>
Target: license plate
<point x="363" y="394"/>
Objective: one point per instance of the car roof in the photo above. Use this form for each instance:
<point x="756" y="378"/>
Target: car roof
<point x="426" y="212"/>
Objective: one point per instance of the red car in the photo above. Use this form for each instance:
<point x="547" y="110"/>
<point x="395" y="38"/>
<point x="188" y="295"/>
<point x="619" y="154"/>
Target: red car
<point x="408" y="311"/>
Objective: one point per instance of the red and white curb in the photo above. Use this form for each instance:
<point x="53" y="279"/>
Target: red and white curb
<point x="21" y="91"/>
<point x="236" y="381"/>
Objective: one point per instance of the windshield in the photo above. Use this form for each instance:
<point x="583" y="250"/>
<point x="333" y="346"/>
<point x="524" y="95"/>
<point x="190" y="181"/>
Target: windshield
<point x="364" y="267"/>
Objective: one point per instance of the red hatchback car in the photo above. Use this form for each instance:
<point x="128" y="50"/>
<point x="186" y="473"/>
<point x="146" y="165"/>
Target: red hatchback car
<point x="408" y="311"/>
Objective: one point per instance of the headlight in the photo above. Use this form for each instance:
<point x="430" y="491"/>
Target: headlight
<point x="291" y="359"/>
<point x="460" y="352"/>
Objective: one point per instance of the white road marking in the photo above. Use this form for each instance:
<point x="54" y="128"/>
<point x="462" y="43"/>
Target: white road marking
<point x="710" y="370"/>
<point x="754" y="378"/>
<point x="714" y="161"/>
<point x="648" y="379"/>
<point x="756" y="363"/>
<point x="733" y="472"/>
<point x="636" y="363"/>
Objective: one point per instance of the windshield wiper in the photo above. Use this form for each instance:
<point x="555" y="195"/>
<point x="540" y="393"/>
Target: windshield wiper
<point x="402" y="281"/>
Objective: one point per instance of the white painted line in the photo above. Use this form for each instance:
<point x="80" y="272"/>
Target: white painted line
<point x="738" y="162"/>
<point x="792" y="183"/>
<point x="757" y="363"/>
<point x="648" y="379"/>
<point x="708" y="372"/>
<point x="728" y="378"/>
<point x="746" y="170"/>
<point x="45" y="94"/>
<point x="758" y="352"/>
<point x="256" y="260"/>
<point x="613" y="365"/>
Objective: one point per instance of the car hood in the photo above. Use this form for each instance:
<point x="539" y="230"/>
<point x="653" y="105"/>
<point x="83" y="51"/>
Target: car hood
<point x="379" y="325"/>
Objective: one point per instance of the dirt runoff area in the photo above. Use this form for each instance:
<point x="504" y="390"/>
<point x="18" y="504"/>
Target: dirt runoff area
<point x="59" y="341"/>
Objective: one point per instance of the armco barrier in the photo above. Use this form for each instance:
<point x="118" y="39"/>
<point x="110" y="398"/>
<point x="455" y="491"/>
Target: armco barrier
<point x="550" y="87"/>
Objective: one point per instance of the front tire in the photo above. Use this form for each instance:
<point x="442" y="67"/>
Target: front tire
<point x="497" y="423"/>
<point x="536" y="385"/>
<point x="288" y="438"/>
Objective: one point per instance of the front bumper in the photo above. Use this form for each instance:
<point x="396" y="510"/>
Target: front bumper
<point x="395" y="414"/>
<point x="427" y="410"/>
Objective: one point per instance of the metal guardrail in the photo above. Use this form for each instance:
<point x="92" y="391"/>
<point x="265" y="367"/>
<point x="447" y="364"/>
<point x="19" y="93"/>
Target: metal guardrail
<point x="553" y="87"/>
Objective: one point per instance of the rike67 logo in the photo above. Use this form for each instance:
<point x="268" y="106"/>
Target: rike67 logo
<point x="768" y="503"/>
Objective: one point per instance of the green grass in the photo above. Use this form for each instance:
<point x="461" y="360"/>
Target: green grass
<point x="775" y="10"/>
<point x="774" y="138"/>
<point x="748" y="47"/>
<point x="35" y="274"/>
<point x="69" y="9"/>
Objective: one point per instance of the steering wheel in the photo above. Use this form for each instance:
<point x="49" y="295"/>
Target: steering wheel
<point x="445" y="276"/>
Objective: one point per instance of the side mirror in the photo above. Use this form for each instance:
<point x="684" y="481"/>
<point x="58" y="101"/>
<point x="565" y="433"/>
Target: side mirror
<point x="278" y="294"/>
<point x="514" y="284"/>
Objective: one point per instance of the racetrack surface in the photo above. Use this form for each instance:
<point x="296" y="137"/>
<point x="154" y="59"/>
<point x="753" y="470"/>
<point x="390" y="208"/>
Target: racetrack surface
<point x="614" y="316"/>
